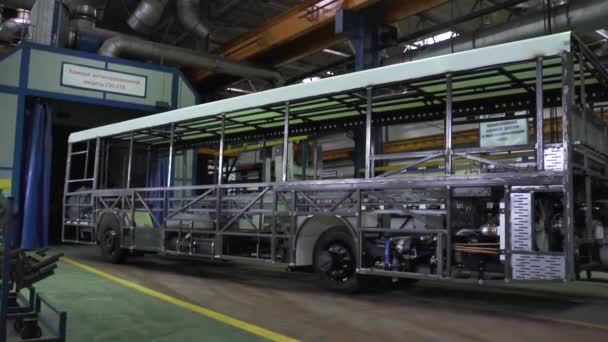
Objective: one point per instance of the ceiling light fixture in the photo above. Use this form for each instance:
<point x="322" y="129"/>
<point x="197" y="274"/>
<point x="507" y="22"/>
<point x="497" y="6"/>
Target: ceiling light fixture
<point x="337" y="53"/>
<point x="239" y="90"/>
<point x="603" y="33"/>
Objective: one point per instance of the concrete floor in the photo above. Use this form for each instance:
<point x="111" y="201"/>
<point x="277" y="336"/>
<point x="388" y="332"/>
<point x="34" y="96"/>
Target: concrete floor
<point x="291" y="304"/>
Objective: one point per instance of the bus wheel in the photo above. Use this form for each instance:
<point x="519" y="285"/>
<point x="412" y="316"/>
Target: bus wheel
<point x="109" y="242"/>
<point x="335" y="262"/>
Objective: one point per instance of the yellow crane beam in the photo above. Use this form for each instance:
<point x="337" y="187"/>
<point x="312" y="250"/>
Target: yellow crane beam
<point x="306" y="28"/>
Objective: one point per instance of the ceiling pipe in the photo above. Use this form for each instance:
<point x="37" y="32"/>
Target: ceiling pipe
<point x="188" y="12"/>
<point x="580" y="15"/>
<point x="128" y="46"/>
<point x="121" y="45"/>
<point x="147" y="15"/>
<point x="24" y="4"/>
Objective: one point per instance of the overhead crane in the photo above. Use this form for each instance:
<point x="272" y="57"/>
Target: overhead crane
<point x="307" y="28"/>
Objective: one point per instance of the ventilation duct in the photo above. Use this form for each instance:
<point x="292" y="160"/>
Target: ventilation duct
<point x="15" y="28"/>
<point x="146" y="16"/>
<point x="580" y="15"/>
<point x="127" y="46"/>
<point x="188" y="12"/>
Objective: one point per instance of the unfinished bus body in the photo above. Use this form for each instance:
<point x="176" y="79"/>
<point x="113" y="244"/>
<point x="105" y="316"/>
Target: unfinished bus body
<point x="499" y="177"/>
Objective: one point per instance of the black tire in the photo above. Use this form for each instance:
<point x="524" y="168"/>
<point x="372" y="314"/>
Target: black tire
<point x="335" y="261"/>
<point x="108" y="229"/>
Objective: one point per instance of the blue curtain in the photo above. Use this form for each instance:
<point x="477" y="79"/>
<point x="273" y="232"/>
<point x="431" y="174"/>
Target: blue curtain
<point x="36" y="205"/>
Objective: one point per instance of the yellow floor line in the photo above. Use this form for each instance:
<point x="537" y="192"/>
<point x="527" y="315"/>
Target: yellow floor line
<point x="254" y="329"/>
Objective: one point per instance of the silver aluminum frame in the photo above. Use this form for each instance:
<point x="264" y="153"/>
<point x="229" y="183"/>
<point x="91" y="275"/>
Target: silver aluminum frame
<point x="287" y="200"/>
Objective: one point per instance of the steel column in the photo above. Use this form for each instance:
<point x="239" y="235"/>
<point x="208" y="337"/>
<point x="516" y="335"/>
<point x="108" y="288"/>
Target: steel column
<point x="218" y="203"/>
<point x="130" y="161"/>
<point x="588" y="200"/>
<point x="448" y="125"/>
<point x="171" y="153"/>
<point x="583" y="95"/>
<point x="567" y="103"/>
<point x="507" y="232"/>
<point x="448" y="227"/>
<point x="66" y="189"/>
<point x="220" y="161"/>
<point x="368" y="134"/>
<point x="285" y="144"/>
<point x="539" y="119"/>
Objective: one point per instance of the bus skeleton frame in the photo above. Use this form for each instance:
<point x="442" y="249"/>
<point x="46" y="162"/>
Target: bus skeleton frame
<point x="279" y="212"/>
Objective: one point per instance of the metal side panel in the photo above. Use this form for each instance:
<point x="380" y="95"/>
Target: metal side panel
<point x="538" y="267"/>
<point x="521" y="221"/>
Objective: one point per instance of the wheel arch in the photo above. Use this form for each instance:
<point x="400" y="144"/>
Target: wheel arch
<point x="309" y="232"/>
<point x="107" y="218"/>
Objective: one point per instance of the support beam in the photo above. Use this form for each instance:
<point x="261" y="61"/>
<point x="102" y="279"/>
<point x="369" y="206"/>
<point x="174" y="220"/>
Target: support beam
<point x="308" y="27"/>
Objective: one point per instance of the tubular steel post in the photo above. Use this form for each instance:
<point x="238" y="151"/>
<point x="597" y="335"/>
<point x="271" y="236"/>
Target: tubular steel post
<point x="273" y="226"/>
<point x="448" y="227"/>
<point x="583" y="95"/>
<point x="315" y="155"/>
<point x="359" y="242"/>
<point x="567" y="101"/>
<point x="285" y="144"/>
<point x="66" y="189"/>
<point x="218" y="203"/>
<point x="171" y="153"/>
<point x="95" y="185"/>
<point x="169" y="174"/>
<point x="96" y="163"/>
<point x="540" y="143"/>
<point x="106" y="157"/>
<point x="368" y="133"/>
<point x="588" y="200"/>
<point x="130" y="160"/>
<point x="86" y="160"/>
<point x="448" y="126"/>
<point x="220" y="161"/>
<point x="507" y="233"/>
<point x="293" y="229"/>
<point x="148" y="166"/>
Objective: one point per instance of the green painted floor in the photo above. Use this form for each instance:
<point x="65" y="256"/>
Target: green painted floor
<point x="102" y="310"/>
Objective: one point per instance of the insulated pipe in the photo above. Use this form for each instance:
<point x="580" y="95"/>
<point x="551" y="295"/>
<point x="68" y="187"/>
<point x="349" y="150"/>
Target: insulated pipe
<point x="146" y="16"/>
<point x="86" y="26"/>
<point x="188" y="12"/>
<point x="128" y="46"/>
<point x="13" y="28"/>
<point x="580" y="15"/>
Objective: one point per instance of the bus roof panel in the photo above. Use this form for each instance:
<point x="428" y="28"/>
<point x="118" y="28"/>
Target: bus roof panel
<point x="551" y="45"/>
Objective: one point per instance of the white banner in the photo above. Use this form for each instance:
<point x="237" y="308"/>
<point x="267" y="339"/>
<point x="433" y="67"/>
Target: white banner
<point x="97" y="79"/>
<point x="503" y="133"/>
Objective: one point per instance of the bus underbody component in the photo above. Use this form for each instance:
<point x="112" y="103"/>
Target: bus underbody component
<point x="506" y="180"/>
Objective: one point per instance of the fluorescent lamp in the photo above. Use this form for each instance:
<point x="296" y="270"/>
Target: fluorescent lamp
<point x="337" y="53"/>
<point x="603" y="33"/>
<point x="239" y="90"/>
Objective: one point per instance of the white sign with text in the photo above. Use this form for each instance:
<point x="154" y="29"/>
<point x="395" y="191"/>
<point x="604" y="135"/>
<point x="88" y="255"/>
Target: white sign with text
<point x="503" y="133"/>
<point x="104" y="80"/>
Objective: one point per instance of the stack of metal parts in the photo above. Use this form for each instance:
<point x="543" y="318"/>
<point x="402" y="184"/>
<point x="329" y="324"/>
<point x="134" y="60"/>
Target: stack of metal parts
<point x="30" y="267"/>
<point x="20" y="270"/>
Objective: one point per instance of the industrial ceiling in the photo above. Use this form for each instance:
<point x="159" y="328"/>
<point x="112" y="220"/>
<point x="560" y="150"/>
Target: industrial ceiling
<point x="424" y="28"/>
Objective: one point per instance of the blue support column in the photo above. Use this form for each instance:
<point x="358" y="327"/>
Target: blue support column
<point x="368" y="35"/>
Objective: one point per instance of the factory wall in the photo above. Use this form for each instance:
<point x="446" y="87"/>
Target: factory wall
<point x="82" y="79"/>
